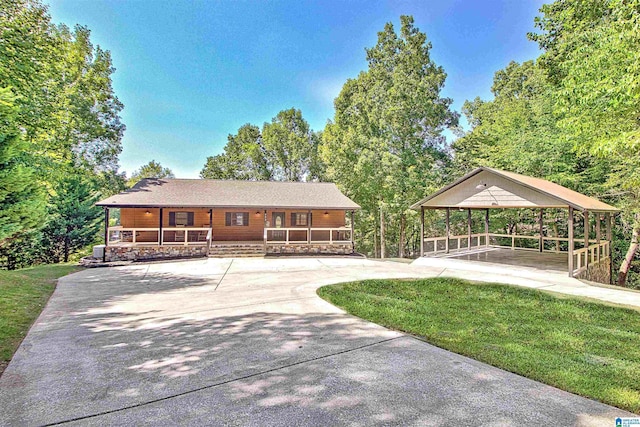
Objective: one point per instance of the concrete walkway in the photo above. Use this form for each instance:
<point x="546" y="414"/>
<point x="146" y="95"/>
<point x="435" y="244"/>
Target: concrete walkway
<point x="248" y="342"/>
<point x="547" y="280"/>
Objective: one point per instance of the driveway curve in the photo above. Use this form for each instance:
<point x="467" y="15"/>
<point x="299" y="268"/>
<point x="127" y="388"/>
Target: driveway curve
<point x="248" y="342"/>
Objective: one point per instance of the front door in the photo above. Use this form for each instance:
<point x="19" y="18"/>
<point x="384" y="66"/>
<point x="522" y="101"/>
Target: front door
<point x="278" y="222"/>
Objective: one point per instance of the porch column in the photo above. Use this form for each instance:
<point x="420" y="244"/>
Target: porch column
<point x="448" y="213"/>
<point x="422" y="231"/>
<point x="353" y="245"/>
<point x="210" y="233"/>
<point x="571" y="244"/>
<point x="469" y="228"/>
<point x="541" y="221"/>
<point x="309" y="227"/>
<point x="587" y="226"/>
<point x="486" y="227"/>
<point x="160" y="231"/>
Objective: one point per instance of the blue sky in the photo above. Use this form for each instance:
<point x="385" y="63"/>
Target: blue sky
<point x="191" y="72"/>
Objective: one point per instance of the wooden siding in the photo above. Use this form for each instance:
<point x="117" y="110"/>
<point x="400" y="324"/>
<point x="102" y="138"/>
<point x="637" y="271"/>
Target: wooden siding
<point x="139" y="218"/>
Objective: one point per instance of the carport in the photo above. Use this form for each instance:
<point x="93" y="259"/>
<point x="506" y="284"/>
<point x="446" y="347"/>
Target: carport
<point x="503" y="217"/>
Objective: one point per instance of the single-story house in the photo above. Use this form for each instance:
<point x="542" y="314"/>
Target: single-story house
<point x="163" y="218"/>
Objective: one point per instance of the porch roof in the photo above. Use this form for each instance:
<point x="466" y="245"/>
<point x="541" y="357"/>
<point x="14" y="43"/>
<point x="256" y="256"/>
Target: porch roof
<point x="153" y="192"/>
<point x="492" y="188"/>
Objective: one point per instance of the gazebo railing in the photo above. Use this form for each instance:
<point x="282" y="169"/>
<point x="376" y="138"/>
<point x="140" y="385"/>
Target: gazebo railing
<point x="596" y="251"/>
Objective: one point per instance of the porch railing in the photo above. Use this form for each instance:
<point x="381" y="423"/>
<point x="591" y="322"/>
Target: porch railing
<point x="170" y="236"/>
<point x="299" y="235"/>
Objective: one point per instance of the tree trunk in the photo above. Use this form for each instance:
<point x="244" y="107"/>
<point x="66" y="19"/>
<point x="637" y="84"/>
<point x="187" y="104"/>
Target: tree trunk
<point x="631" y="252"/>
<point x="402" y="236"/>
<point x="375" y="240"/>
<point x="66" y="249"/>
<point x="555" y="234"/>
<point x="383" y="248"/>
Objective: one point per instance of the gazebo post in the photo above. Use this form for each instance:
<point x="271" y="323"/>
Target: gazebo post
<point x="587" y="228"/>
<point x="541" y="221"/>
<point x="422" y="231"/>
<point x="608" y="220"/>
<point x="571" y="244"/>
<point x="448" y="213"/>
<point x="598" y="219"/>
<point x="468" y="228"/>
<point x="106" y="234"/>
<point x="486" y="227"/>
<point x="353" y="246"/>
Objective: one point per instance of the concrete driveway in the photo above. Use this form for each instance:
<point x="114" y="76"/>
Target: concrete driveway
<point x="248" y="342"/>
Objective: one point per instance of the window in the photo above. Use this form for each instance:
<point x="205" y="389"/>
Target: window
<point x="299" y="219"/>
<point x="236" y="219"/>
<point x="181" y="219"/>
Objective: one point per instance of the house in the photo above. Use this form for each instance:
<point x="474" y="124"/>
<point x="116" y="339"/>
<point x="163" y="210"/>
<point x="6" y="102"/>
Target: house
<point x="572" y="231"/>
<point x="166" y="218"/>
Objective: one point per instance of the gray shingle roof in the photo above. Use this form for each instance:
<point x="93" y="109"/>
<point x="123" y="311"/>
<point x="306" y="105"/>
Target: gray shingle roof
<point x="152" y="192"/>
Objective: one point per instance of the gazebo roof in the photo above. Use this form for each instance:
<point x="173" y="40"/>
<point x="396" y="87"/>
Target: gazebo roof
<point x="492" y="188"/>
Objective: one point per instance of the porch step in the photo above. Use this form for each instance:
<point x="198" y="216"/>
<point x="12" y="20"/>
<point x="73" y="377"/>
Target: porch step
<point x="223" y="250"/>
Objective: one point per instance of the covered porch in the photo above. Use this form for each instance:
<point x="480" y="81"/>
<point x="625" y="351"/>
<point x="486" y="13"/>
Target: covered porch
<point x="538" y="224"/>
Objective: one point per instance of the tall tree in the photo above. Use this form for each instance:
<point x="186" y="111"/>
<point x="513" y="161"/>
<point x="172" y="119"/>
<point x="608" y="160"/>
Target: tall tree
<point x="591" y="55"/>
<point x="243" y="158"/>
<point x="152" y="169"/>
<point x="385" y="146"/>
<point x="21" y="200"/>
<point x="74" y="220"/>
<point x="290" y="146"/>
<point x="68" y="114"/>
<point x="285" y="150"/>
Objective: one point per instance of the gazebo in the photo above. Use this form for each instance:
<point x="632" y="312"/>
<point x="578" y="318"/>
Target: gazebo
<point x="586" y="256"/>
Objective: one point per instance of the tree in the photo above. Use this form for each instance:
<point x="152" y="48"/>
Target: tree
<point x="290" y="146"/>
<point x="285" y="150"/>
<point x="152" y="169"/>
<point x="518" y="130"/>
<point x="74" y="220"/>
<point x="385" y="146"/>
<point x="67" y="112"/>
<point x="243" y="158"/>
<point x="590" y="55"/>
<point x="21" y="199"/>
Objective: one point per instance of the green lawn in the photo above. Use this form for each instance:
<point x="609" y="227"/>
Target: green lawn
<point x="23" y="295"/>
<point x="584" y="347"/>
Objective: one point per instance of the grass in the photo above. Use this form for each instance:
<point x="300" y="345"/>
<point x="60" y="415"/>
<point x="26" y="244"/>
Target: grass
<point x="580" y="346"/>
<point x="23" y="295"/>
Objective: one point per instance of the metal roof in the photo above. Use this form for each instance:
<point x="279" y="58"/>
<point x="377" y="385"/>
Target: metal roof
<point x="153" y="192"/>
<point x="562" y="196"/>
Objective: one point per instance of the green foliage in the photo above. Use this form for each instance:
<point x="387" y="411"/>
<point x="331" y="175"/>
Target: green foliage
<point x="581" y="346"/>
<point x="290" y="146"/>
<point x="21" y="201"/>
<point x="518" y="131"/>
<point x="74" y="220"/>
<point x="285" y="150"/>
<point x="68" y="116"/>
<point x="152" y="169"/>
<point x="243" y="158"/>
<point x="385" y="147"/>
